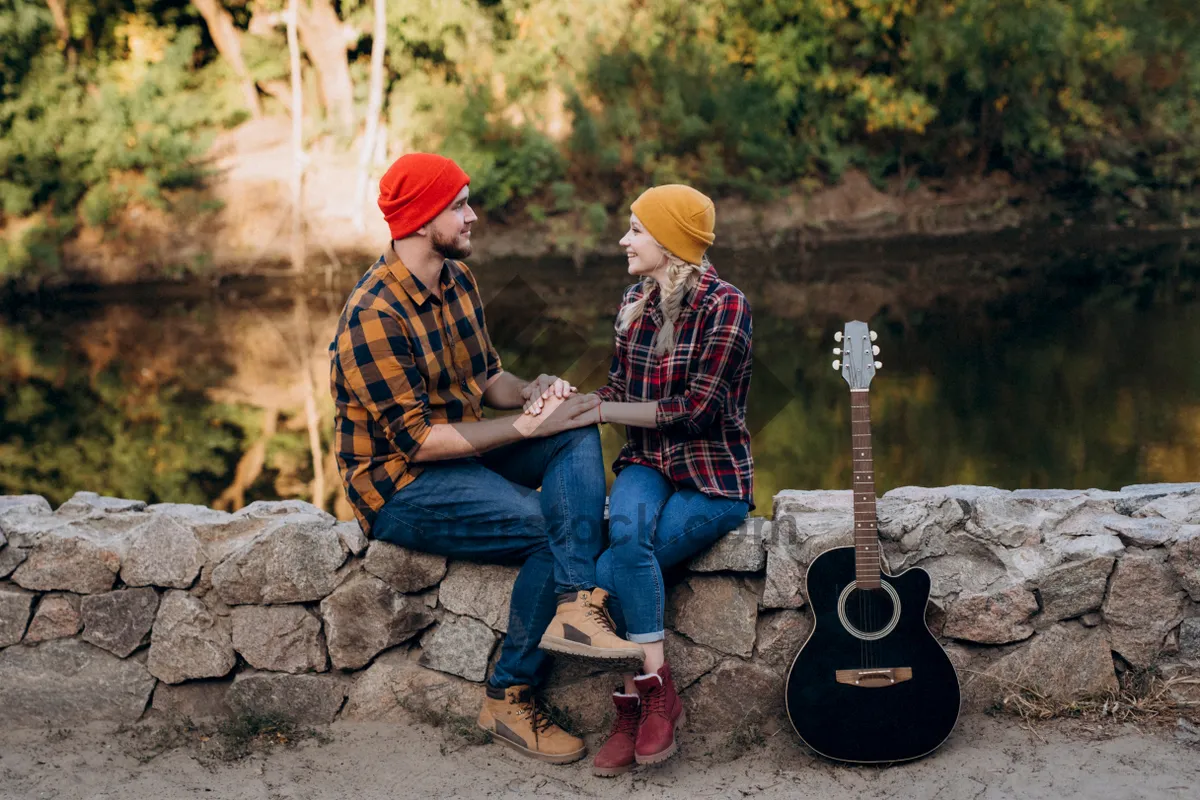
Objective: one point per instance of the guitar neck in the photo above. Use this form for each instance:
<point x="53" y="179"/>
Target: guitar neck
<point x="866" y="523"/>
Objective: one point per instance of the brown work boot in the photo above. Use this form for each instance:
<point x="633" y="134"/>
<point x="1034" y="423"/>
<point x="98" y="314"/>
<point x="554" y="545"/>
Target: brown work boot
<point x="512" y="717"/>
<point x="616" y="754"/>
<point x="662" y="715"/>
<point x="582" y="627"/>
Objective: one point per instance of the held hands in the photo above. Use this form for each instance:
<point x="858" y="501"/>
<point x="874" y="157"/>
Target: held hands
<point x="558" y="415"/>
<point x="542" y="389"/>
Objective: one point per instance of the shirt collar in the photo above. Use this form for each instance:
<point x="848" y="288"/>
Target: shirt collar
<point x="410" y="283"/>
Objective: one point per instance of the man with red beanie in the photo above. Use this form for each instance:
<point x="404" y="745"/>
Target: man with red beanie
<point x="411" y="367"/>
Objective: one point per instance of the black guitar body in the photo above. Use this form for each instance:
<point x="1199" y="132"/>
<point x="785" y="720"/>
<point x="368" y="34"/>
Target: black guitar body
<point x="877" y="720"/>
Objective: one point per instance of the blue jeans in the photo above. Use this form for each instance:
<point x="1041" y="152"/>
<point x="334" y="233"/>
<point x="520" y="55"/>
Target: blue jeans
<point x="652" y="526"/>
<point x="486" y="509"/>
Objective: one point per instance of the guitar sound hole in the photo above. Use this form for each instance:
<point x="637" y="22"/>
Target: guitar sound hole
<point x="869" y="610"/>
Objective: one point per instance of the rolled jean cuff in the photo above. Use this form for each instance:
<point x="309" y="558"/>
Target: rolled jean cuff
<point x="645" y="638"/>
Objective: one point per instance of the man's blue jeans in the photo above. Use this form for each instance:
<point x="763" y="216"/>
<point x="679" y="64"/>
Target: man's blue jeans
<point x="485" y="509"/>
<point x="652" y="526"/>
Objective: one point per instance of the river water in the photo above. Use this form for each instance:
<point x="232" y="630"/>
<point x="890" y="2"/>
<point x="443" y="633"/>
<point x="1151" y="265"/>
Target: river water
<point x="1030" y="360"/>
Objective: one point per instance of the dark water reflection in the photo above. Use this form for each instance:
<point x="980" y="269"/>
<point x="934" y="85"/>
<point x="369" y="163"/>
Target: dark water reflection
<point x="1012" y="361"/>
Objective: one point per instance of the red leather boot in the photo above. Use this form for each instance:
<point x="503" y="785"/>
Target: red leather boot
<point x="662" y="715"/>
<point x="615" y="756"/>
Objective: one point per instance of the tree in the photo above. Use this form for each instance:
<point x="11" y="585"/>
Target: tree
<point x="322" y="36"/>
<point x="225" y="37"/>
<point x="374" y="107"/>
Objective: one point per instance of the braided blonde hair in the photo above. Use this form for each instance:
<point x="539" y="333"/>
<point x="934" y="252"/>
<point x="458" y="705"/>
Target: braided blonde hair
<point x="681" y="277"/>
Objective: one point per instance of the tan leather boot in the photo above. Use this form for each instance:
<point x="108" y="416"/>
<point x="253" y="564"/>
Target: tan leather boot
<point x="582" y="627"/>
<point x="512" y="717"/>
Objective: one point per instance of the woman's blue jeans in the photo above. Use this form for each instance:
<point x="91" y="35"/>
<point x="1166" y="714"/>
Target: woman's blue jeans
<point x="652" y="526"/>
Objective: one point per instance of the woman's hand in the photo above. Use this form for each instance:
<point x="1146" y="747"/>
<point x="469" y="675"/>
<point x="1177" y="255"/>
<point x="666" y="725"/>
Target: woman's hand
<point x="541" y="389"/>
<point x="577" y="411"/>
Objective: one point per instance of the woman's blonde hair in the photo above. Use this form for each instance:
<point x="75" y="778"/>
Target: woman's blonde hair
<point x="681" y="277"/>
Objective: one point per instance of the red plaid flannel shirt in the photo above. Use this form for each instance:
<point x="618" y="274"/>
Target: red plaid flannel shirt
<point x="701" y="441"/>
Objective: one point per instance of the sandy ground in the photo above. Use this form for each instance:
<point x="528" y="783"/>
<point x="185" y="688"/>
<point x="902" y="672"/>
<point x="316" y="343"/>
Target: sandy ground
<point x="985" y="758"/>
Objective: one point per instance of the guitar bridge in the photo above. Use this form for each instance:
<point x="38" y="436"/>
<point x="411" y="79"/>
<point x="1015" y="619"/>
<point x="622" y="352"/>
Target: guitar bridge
<point x="874" y="678"/>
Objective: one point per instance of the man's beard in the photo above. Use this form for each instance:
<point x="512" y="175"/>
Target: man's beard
<point x="450" y="248"/>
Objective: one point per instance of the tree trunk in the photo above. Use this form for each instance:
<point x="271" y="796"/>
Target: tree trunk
<point x="229" y="45"/>
<point x="298" y="157"/>
<point x="58" y="10"/>
<point x="321" y="35"/>
<point x="374" y="108"/>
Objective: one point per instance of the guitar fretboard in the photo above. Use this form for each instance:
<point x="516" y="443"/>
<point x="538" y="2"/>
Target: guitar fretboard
<point x="866" y="523"/>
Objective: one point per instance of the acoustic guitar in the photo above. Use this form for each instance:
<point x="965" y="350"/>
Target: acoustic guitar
<point x="871" y="684"/>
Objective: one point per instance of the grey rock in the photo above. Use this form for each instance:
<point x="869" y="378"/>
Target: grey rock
<point x="198" y="701"/>
<point x="189" y="641"/>
<point x="69" y="564"/>
<point x="25" y="503"/>
<point x="460" y="646"/>
<point x="804" y="525"/>
<point x="279" y="638"/>
<point x="1182" y="508"/>
<point x="1141" y="531"/>
<point x="293" y="560"/>
<point x="734" y="695"/>
<point x="162" y="552"/>
<point x="779" y="638"/>
<point x="1064" y="663"/>
<point x="923" y="523"/>
<point x="1075" y="588"/>
<point x="970" y="567"/>
<point x="481" y="591"/>
<point x="995" y="618"/>
<point x="119" y="621"/>
<point x="1189" y="638"/>
<point x="57" y="616"/>
<point x="717" y="611"/>
<point x="284" y="508"/>
<point x="352" y="536"/>
<point x="1080" y="548"/>
<point x="1011" y="521"/>
<point x="67" y="682"/>
<point x="302" y="699"/>
<point x="365" y="616"/>
<point x="587" y="702"/>
<point x="403" y="569"/>
<point x="1184" y="560"/>
<point x="1092" y="620"/>
<point x="11" y="558"/>
<point x="15" y="607"/>
<point x="741" y="550"/>
<point x="393" y="688"/>
<point x="689" y="661"/>
<point x="90" y="503"/>
<point x="1143" y="605"/>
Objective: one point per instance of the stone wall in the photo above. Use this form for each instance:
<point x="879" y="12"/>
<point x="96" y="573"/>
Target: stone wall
<point x="111" y="610"/>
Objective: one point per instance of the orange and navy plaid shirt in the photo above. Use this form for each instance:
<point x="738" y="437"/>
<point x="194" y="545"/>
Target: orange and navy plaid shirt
<point x="403" y="359"/>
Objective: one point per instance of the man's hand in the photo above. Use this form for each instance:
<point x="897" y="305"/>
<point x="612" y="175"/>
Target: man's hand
<point x="577" y="411"/>
<point x="541" y="389"/>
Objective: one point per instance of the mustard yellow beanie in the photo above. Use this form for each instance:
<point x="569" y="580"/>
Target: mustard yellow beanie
<point x="679" y="217"/>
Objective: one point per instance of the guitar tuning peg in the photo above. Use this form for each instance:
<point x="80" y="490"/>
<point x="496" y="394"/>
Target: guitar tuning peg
<point x="837" y="337"/>
<point x="874" y="336"/>
<point x="874" y="349"/>
<point x="878" y="365"/>
<point x="837" y="364"/>
<point x="837" y="351"/>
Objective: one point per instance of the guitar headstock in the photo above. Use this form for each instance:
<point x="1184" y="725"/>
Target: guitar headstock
<point x="857" y="361"/>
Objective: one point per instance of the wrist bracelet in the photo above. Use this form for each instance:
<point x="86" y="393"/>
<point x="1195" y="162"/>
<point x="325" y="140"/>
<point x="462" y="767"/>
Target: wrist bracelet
<point x="600" y="411"/>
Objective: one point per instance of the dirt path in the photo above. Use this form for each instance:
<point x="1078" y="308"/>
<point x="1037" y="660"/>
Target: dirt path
<point x="986" y="758"/>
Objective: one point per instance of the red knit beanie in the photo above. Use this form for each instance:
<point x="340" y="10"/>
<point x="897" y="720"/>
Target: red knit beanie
<point x="416" y="188"/>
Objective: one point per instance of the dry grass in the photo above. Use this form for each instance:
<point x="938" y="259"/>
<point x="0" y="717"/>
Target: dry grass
<point x="1145" y="698"/>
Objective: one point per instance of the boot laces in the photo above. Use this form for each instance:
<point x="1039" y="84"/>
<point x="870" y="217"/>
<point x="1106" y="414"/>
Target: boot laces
<point x="600" y="615"/>
<point x="537" y="720"/>
<point x="654" y="702"/>
<point x="626" y="722"/>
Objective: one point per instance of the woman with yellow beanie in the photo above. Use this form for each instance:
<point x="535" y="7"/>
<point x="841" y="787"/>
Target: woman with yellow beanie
<point x="678" y="382"/>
